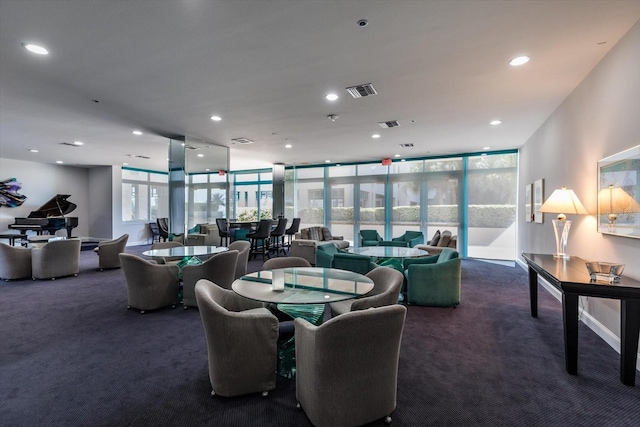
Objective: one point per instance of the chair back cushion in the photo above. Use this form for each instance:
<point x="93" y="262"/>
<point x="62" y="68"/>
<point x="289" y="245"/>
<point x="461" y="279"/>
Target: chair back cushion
<point x="434" y="240"/>
<point x="445" y="238"/>
<point x="447" y="254"/>
<point x="315" y="233"/>
<point x="326" y="234"/>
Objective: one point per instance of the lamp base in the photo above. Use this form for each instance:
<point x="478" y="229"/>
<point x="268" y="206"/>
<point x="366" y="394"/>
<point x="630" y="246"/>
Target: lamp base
<point x="561" y="229"/>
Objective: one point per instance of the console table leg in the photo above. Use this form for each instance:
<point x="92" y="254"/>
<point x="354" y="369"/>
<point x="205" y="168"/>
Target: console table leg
<point x="533" y="291"/>
<point x="629" y="329"/>
<point x="570" y="319"/>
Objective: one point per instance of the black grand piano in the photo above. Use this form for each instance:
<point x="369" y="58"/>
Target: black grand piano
<point x="49" y="218"/>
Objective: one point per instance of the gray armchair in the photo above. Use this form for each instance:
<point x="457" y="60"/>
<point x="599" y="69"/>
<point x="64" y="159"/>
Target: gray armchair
<point x="347" y="368"/>
<point x="149" y="285"/>
<point x="219" y="268"/>
<point x="387" y="284"/>
<point x="290" y="261"/>
<point x="56" y="259"/>
<point x="15" y="262"/>
<point x="243" y="247"/>
<point x="109" y="250"/>
<point x="247" y="362"/>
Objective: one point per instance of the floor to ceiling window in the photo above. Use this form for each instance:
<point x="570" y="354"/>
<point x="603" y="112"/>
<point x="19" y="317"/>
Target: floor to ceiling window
<point x="206" y="198"/>
<point x="471" y="196"/>
<point x="145" y="195"/>
<point x="252" y="195"/>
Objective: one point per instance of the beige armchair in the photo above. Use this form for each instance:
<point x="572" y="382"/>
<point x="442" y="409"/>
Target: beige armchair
<point x="347" y="368"/>
<point x="219" y="268"/>
<point x="15" y="262"/>
<point x="387" y="283"/>
<point x="56" y="259"/>
<point x="109" y="250"/>
<point x="285" y="262"/>
<point x="243" y="247"/>
<point x="246" y="363"/>
<point x="149" y="285"/>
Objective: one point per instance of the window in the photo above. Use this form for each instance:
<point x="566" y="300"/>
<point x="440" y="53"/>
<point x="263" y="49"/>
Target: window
<point x="145" y="195"/>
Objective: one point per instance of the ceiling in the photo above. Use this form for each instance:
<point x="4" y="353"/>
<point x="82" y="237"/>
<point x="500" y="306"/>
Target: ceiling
<point x="164" y="67"/>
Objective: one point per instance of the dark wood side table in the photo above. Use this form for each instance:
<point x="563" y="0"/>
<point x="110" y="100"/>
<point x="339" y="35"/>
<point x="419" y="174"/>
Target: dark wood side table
<point x="570" y="277"/>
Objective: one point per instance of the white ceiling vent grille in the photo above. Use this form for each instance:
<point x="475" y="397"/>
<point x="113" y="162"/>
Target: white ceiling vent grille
<point x="406" y="145"/>
<point x="191" y="147"/>
<point x="389" y="124"/>
<point x="360" y="91"/>
<point x="138" y="156"/>
<point x="70" y="144"/>
<point x="242" y="141"/>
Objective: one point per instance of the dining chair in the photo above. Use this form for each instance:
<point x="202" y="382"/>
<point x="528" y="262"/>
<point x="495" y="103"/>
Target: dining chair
<point x="109" y="250"/>
<point x="387" y="284"/>
<point x="219" y="268"/>
<point x="149" y="285"/>
<point x="241" y="338"/>
<point x="357" y="380"/>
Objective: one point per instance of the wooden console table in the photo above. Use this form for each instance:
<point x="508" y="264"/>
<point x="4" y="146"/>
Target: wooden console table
<point x="570" y="276"/>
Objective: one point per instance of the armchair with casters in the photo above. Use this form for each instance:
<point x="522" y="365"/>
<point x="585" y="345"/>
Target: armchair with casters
<point x="347" y="368"/>
<point x="241" y="338"/>
<point x="434" y="281"/>
<point x="387" y="284"/>
<point x="109" y="250"/>
<point x="149" y="285"/>
<point x="369" y="238"/>
<point x="56" y="259"/>
<point x="219" y="268"/>
<point x="357" y="263"/>
<point x="15" y="262"/>
<point x="290" y="261"/>
<point x="243" y="247"/>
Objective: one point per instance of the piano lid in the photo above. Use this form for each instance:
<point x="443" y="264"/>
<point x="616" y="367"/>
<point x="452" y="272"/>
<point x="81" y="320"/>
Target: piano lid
<point x="56" y="206"/>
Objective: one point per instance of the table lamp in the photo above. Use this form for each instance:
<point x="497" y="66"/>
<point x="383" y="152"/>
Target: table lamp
<point x="613" y="201"/>
<point x="562" y="201"/>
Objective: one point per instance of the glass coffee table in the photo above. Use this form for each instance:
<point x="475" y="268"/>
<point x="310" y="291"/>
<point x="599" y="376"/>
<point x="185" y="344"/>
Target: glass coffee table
<point x="388" y="252"/>
<point x="185" y="251"/>
<point x="301" y="292"/>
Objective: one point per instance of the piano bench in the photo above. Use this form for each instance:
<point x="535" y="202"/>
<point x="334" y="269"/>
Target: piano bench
<point x="12" y="237"/>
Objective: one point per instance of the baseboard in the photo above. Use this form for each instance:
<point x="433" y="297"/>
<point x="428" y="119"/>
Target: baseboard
<point x="609" y="337"/>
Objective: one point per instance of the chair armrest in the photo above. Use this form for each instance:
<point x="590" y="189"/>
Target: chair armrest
<point x="338" y="238"/>
<point x="416" y="241"/>
<point x="418" y="261"/>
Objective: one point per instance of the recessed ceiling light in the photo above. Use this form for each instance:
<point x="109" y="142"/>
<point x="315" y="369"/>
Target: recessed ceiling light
<point x="78" y="143"/>
<point x="495" y="122"/>
<point x="288" y="146"/>
<point x="331" y="97"/>
<point x="136" y="132"/>
<point x="59" y="162"/>
<point x="200" y="155"/>
<point x="327" y="161"/>
<point x="33" y="150"/>
<point x="216" y="118"/>
<point x="375" y="135"/>
<point x="207" y="170"/>
<point x="403" y="160"/>
<point x="486" y="148"/>
<point x="396" y="155"/>
<point x="35" y="48"/>
<point x="520" y="60"/>
<point x="125" y="164"/>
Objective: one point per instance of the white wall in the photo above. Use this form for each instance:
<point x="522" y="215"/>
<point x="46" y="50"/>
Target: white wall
<point x="40" y="182"/>
<point x="599" y="118"/>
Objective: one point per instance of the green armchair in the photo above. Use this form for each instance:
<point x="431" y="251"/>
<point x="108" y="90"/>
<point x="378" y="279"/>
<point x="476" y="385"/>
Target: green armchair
<point x="357" y="263"/>
<point x="324" y="254"/>
<point x="369" y="238"/>
<point x="410" y="238"/>
<point x="434" y="281"/>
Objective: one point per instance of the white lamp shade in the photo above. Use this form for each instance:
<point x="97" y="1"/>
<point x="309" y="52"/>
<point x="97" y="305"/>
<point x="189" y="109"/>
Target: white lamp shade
<point x="563" y="201"/>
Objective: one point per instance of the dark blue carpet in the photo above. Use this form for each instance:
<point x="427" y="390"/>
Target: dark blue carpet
<point x="71" y="354"/>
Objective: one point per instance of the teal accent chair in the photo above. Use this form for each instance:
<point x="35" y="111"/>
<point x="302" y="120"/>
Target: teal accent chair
<point x="434" y="281"/>
<point x="357" y="263"/>
<point x="369" y="238"/>
<point x="324" y="254"/>
<point x="410" y="238"/>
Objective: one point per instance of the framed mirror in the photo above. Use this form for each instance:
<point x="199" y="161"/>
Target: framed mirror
<point x="619" y="194"/>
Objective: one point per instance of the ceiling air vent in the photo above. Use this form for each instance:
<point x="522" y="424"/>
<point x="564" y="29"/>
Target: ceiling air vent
<point x="138" y="156"/>
<point x="191" y="147"/>
<point x="360" y="91"/>
<point x="406" y="145"/>
<point x="389" y="124"/>
<point x="70" y="144"/>
<point x="242" y="141"/>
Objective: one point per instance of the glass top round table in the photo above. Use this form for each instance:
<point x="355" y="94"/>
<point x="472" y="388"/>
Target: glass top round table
<point x="302" y="285"/>
<point x="185" y="251"/>
<point x="388" y="251"/>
